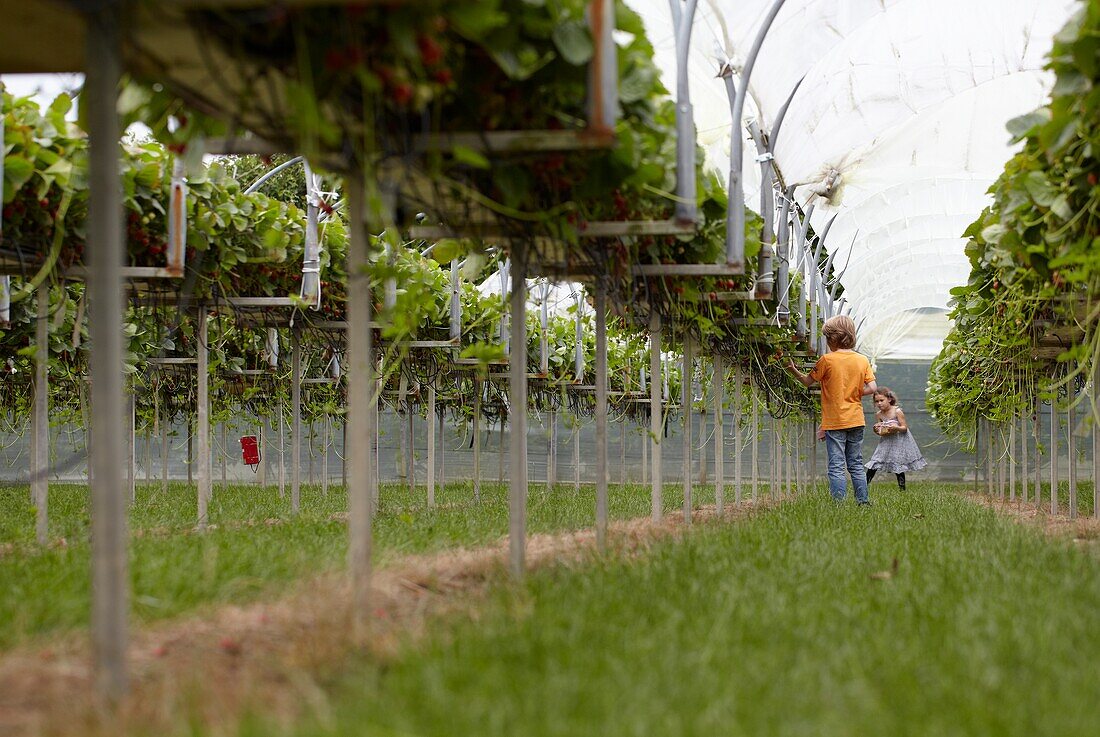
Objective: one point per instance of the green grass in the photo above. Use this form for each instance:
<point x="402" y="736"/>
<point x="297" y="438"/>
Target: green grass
<point x="770" y="626"/>
<point x="243" y="557"/>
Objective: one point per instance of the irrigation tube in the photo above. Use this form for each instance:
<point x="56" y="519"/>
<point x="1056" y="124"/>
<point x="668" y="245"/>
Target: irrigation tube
<point x="735" y="212"/>
<point x="255" y="186"/>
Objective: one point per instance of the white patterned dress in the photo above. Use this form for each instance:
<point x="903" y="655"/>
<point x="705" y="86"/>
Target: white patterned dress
<point x="896" y="453"/>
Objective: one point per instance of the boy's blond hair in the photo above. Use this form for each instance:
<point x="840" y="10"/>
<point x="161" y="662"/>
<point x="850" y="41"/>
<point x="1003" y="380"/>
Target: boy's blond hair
<point x="840" y="332"/>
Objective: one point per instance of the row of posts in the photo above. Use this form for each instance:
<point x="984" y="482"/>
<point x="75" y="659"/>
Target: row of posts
<point x="1012" y="455"/>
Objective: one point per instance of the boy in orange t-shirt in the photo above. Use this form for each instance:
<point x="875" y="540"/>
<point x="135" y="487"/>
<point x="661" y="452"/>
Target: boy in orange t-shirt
<point x="845" y="377"/>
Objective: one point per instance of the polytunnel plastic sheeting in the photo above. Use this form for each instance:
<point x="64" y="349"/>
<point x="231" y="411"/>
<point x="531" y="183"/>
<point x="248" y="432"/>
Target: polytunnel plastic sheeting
<point x="561" y="297"/>
<point x="906" y="99"/>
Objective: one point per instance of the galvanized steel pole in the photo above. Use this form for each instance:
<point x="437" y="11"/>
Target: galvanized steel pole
<point x="517" y="414"/>
<point x="110" y="577"/>
<point x="202" y="417"/>
<point x="296" y="423"/>
<point x="40" y="432"/>
<point x="358" y="451"/>
<point x="719" y="380"/>
<point x="655" y="416"/>
<point x="601" y="415"/>
<point x="687" y="392"/>
<point x="735" y="213"/>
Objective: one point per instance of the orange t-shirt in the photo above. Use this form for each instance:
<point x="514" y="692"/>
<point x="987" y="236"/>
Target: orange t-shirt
<point x="842" y="375"/>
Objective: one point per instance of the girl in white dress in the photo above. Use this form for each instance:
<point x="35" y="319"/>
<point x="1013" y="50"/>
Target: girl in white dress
<point x="897" y="452"/>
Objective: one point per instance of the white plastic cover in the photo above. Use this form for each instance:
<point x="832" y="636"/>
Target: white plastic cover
<point x="906" y="99"/>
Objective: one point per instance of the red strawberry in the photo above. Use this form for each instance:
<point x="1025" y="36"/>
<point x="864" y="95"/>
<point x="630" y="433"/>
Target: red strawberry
<point x="431" y="53"/>
<point x="402" y="93"/>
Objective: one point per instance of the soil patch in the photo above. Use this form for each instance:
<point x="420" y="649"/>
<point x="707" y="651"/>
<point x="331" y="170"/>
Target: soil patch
<point x="1083" y="530"/>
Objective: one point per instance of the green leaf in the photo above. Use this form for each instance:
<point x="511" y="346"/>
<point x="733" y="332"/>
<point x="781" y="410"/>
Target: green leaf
<point x="1040" y="188"/>
<point x="573" y="40"/>
<point x="469" y="157"/>
<point x="1060" y="207"/>
<point x="521" y="62"/>
<point x="475" y="20"/>
<point x="637" y="83"/>
<point x="1025" y="124"/>
<point x="17" y="170"/>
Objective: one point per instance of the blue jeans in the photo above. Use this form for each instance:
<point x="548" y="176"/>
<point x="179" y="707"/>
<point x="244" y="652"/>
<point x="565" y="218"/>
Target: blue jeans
<point x="845" y="448"/>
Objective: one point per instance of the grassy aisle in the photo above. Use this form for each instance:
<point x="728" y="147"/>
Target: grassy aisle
<point x="254" y="546"/>
<point x="774" y="626"/>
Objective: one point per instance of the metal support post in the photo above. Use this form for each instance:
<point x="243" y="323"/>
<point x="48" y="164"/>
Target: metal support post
<point x="719" y="380"/>
<point x="735" y="213"/>
<point x="40" y="419"/>
<point x="1071" y="456"/>
<point x="576" y="454"/>
<point x="603" y="71"/>
<point x="1012" y="459"/>
<point x="517" y="385"/>
<point x="296" y="423"/>
<point x="601" y="416"/>
<point x="282" y="451"/>
<point x="703" y="444"/>
<point x="655" y="416"/>
<point x="765" y="275"/>
<point x="442" y="455"/>
<point x="456" y="302"/>
<point x="131" y="444"/>
<point x="261" y="470"/>
<point x="755" y="456"/>
<point x="989" y="458"/>
<point x="327" y="430"/>
<point x="410" y="450"/>
<point x="551" y="441"/>
<point x="1002" y="451"/>
<point x="687" y="394"/>
<point x="224" y="456"/>
<point x="1036" y="423"/>
<point x="164" y="453"/>
<point x="362" y="399"/>
<point x="791" y="446"/>
<point x="1095" y="439"/>
<point x="110" y="575"/>
<point x="738" y="440"/>
<point x="431" y="444"/>
<point x="202" y="417"/>
<point x="683" y="22"/>
<point x="477" y="439"/>
<point x="1054" y="481"/>
<point x="1024" y="478"/>
<point x="813" y="456"/>
<point x="622" y="453"/>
